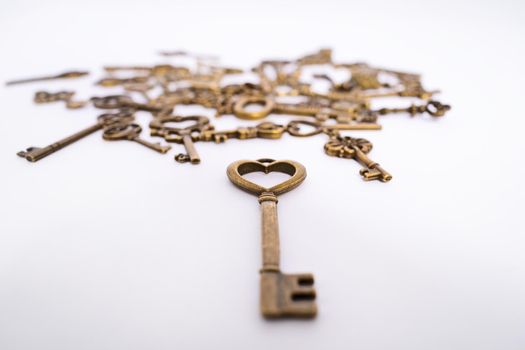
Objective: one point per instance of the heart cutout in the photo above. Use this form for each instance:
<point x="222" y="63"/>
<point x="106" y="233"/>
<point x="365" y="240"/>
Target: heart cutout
<point x="239" y="168"/>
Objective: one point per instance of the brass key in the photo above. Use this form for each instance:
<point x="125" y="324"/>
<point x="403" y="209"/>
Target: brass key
<point x="282" y="295"/>
<point x="65" y="75"/>
<point x="432" y="107"/>
<point x="66" y="96"/>
<point x="34" y="154"/>
<point x="160" y="126"/>
<point x="301" y="109"/>
<point x="349" y="147"/>
<point x="265" y="130"/>
<point x="131" y="132"/>
<point x="123" y="101"/>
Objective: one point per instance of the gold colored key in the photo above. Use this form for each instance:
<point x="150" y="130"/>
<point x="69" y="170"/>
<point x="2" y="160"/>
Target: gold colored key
<point x="65" y="75"/>
<point x="265" y="130"/>
<point x="131" y="132"/>
<point x="282" y="295"/>
<point x="160" y="126"/>
<point x="357" y="148"/>
<point x="34" y="154"/>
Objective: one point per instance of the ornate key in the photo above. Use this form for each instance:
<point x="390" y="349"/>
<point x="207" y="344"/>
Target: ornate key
<point x="265" y="130"/>
<point x="301" y="109"/>
<point x="123" y="101"/>
<point x="294" y="127"/>
<point x="282" y="295"/>
<point x="112" y="82"/>
<point x="65" y="75"/>
<point x="66" y="96"/>
<point x="34" y="154"/>
<point x="131" y="132"/>
<point x="349" y="147"/>
<point x="434" y="108"/>
<point x="160" y="126"/>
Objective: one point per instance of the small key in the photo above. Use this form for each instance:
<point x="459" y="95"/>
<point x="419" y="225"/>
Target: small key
<point x="123" y="101"/>
<point x="131" y="132"/>
<point x="265" y="130"/>
<point x="65" y="75"/>
<point x="66" y="96"/>
<point x="433" y="108"/>
<point x="34" y="154"/>
<point x="270" y="106"/>
<point x="112" y="82"/>
<point x="294" y="127"/>
<point x="282" y="295"/>
<point x="162" y="126"/>
<point x="349" y="147"/>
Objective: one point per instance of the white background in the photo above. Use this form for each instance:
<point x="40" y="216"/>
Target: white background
<point x="112" y="246"/>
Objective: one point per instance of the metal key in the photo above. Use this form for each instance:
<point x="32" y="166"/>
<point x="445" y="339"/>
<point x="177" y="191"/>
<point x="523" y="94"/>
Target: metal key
<point x="432" y="107"/>
<point x="160" y="126"/>
<point x="301" y="109"/>
<point x="65" y="75"/>
<point x="34" y="154"/>
<point x="66" y="96"/>
<point x="265" y="130"/>
<point x="123" y="101"/>
<point x="131" y="132"/>
<point x="357" y="148"/>
<point x="282" y="295"/>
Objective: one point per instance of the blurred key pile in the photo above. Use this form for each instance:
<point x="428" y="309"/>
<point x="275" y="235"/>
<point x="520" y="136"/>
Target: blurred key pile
<point x="319" y="95"/>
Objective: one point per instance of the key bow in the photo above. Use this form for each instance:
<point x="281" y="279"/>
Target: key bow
<point x="237" y="169"/>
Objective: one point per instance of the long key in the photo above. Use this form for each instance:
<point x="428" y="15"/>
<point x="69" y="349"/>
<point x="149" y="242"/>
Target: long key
<point x="123" y="101"/>
<point x="65" y="75"/>
<point x="357" y="148"/>
<point x="270" y="106"/>
<point x="34" y="154"/>
<point x="433" y="107"/>
<point x="282" y="295"/>
<point x="265" y="130"/>
<point x="131" y="132"/>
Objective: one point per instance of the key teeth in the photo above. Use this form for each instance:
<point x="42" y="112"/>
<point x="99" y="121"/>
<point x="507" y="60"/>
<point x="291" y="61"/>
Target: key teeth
<point x="287" y="296"/>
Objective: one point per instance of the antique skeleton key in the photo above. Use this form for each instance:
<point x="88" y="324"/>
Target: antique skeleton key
<point x="160" y="126"/>
<point x="432" y="107"/>
<point x="282" y="295"/>
<point x="66" y="96"/>
<point x="349" y="147"/>
<point x="294" y="127"/>
<point x="34" y="154"/>
<point x="270" y="106"/>
<point x="123" y="101"/>
<point x="131" y="131"/>
<point x="265" y="130"/>
<point x="65" y="75"/>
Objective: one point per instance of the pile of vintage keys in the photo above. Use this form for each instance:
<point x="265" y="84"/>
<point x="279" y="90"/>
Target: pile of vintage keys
<point x="282" y="87"/>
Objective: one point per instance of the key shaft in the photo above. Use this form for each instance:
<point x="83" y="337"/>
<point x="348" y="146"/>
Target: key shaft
<point x="270" y="233"/>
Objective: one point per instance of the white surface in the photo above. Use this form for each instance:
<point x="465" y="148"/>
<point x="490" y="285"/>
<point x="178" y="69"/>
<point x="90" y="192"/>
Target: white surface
<point x="112" y="246"/>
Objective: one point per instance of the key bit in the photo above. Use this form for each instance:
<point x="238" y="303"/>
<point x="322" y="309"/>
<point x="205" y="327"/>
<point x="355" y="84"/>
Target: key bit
<point x="284" y="295"/>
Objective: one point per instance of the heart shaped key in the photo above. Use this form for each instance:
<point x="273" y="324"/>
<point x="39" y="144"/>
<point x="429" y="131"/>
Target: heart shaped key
<point x="282" y="295"/>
